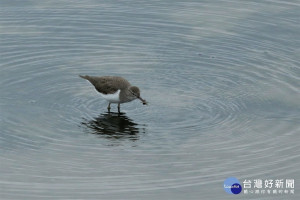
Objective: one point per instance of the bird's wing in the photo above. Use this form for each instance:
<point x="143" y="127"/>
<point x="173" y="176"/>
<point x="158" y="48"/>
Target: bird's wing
<point x="104" y="85"/>
<point x="107" y="84"/>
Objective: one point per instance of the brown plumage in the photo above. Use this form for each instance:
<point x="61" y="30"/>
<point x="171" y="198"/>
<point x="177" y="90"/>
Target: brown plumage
<point x="115" y="89"/>
<point x="107" y="84"/>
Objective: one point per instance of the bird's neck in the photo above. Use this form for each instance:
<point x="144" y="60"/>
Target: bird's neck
<point x="125" y="96"/>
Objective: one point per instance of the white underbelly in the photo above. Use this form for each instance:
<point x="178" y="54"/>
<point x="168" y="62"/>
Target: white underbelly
<point x="112" y="98"/>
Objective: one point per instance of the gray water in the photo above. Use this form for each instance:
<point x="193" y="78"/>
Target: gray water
<point x="221" y="79"/>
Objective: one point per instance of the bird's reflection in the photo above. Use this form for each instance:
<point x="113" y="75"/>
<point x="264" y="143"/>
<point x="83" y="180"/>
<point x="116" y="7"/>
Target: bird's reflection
<point x="113" y="126"/>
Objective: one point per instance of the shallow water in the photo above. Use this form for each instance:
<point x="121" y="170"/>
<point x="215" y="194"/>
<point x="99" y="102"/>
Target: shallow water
<point x="221" y="79"/>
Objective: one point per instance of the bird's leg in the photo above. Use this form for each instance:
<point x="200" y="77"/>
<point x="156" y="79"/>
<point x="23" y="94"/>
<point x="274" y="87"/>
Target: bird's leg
<point x="119" y="108"/>
<point x="108" y="107"/>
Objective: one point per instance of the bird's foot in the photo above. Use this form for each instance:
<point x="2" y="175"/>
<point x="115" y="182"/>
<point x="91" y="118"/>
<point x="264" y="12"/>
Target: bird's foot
<point x="119" y="109"/>
<point x="108" y="108"/>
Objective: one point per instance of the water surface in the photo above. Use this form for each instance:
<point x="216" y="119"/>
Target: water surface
<point x="221" y="79"/>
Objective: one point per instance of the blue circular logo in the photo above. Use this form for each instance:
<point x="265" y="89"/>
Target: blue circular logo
<point x="232" y="185"/>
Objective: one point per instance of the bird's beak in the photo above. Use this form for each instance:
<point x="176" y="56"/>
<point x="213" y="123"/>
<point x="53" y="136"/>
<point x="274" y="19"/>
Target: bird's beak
<point x="143" y="101"/>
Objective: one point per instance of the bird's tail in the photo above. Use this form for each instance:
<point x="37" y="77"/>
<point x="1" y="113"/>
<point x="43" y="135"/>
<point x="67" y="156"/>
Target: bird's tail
<point x="91" y="79"/>
<point x="84" y="77"/>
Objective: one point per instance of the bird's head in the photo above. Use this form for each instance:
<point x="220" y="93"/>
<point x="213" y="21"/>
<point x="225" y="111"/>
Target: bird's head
<point x="135" y="93"/>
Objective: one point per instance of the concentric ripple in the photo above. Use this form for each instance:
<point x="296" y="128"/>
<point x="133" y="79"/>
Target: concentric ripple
<point x="221" y="78"/>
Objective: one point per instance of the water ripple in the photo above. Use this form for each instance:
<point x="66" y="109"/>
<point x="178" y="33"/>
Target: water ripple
<point x="222" y="81"/>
